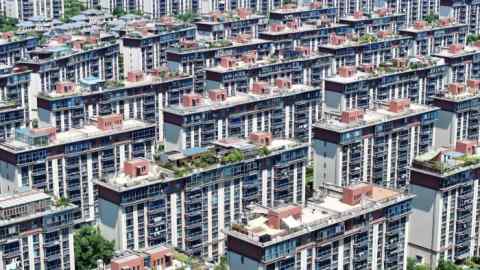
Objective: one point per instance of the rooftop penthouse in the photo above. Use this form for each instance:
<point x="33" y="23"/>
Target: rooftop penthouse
<point x="188" y="46"/>
<point x="175" y="165"/>
<point x="382" y="112"/>
<point x="359" y="16"/>
<point x="143" y="29"/>
<point x="333" y="205"/>
<point x="441" y="24"/>
<point x="277" y="29"/>
<point x="27" y="139"/>
<point x="353" y="40"/>
<point x="458" y="92"/>
<point x="349" y="74"/>
<point x="160" y="257"/>
<point x="444" y="161"/>
<point x="458" y="51"/>
<point x="307" y="12"/>
<point x="218" y="17"/>
<point x="217" y="99"/>
<point x="28" y="204"/>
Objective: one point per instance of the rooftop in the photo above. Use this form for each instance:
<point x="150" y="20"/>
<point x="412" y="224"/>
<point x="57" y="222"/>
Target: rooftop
<point x="445" y="161"/>
<point x="398" y="65"/>
<point x="207" y="104"/>
<point x="208" y="45"/>
<point x="378" y="14"/>
<point x="217" y="17"/>
<point x="352" y="40"/>
<point x="89" y="131"/>
<point x="281" y="29"/>
<point x="422" y="26"/>
<point x="381" y="113"/>
<point x="457" y="50"/>
<point x="457" y="92"/>
<point x="330" y="205"/>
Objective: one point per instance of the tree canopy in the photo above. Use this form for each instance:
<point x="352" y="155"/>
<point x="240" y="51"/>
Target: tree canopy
<point x="90" y="246"/>
<point x="8" y="24"/>
<point x="72" y="8"/>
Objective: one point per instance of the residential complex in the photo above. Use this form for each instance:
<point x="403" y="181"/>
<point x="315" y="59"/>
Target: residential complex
<point x="308" y="12"/>
<point x="358" y="227"/>
<point x="373" y="145"/>
<point x="463" y="62"/>
<point x="466" y="12"/>
<point x="37" y="232"/>
<point x="380" y="20"/>
<point x="15" y="47"/>
<point x="190" y="197"/>
<point x="444" y="221"/>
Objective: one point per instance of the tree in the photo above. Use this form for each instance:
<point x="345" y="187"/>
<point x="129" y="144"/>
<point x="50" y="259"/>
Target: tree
<point x="118" y="12"/>
<point x="187" y="17"/>
<point x="8" y="24"/>
<point x="234" y="156"/>
<point x="72" y="8"/>
<point x="264" y="151"/>
<point x="431" y="18"/>
<point x="223" y="264"/>
<point x="90" y="246"/>
<point x="472" y="38"/>
<point x="447" y="265"/>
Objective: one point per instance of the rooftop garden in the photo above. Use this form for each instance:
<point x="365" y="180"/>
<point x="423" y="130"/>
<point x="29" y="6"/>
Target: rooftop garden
<point x="441" y="167"/>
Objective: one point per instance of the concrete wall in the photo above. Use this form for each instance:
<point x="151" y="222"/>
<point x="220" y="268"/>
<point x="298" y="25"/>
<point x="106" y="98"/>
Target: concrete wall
<point x="325" y="163"/>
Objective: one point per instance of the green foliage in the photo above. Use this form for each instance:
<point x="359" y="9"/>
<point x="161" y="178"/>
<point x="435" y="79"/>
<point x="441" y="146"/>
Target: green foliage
<point x="234" y="156"/>
<point x="413" y="265"/>
<point x="90" y="246"/>
<point x="118" y="12"/>
<point x="309" y="174"/>
<point x="72" y="8"/>
<point x="35" y="123"/>
<point x="431" y="18"/>
<point x="367" y="38"/>
<point x="8" y="24"/>
<point x="187" y="17"/>
<point x="62" y="202"/>
<point x="264" y="151"/>
<point x="222" y="265"/>
<point x="472" y="38"/>
<point x="447" y="265"/>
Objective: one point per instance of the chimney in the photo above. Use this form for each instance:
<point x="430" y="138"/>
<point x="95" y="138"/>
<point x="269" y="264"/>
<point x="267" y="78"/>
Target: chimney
<point x="217" y="95"/>
<point x="400" y="62"/>
<point x="260" y="88"/>
<point x="134" y="76"/>
<point x="227" y="61"/>
<point x="382" y="12"/>
<point x="316" y="5"/>
<point x="466" y="147"/>
<point x="188" y="44"/>
<point x="64" y="87"/>
<point x="358" y="14"/>
<point x="456" y="88"/>
<point x="283" y="83"/>
<point x="249" y="57"/>
<point x="275" y="216"/>
<point x="260" y="138"/>
<point x="243" y="13"/>
<point x="444" y="21"/>
<point x="351" y="116"/>
<point x="303" y="50"/>
<point x="275" y="27"/>
<point x="367" y="68"/>
<point x="419" y="25"/>
<point x="92" y="40"/>
<point x="473" y="84"/>
<point x="136" y="167"/>
<point x="346" y="71"/>
<point x="353" y="195"/>
<point x="293" y="24"/>
<point x="398" y="105"/>
<point x="455" y="48"/>
<point x="336" y="40"/>
<point x="242" y="38"/>
<point x="78" y="44"/>
<point x="191" y="100"/>
<point x="383" y="34"/>
<point x="109" y="122"/>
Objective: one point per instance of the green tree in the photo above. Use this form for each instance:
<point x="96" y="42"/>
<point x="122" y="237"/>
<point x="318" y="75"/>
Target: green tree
<point x="187" y="17"/>
<point x="264" y="151"/>
<point x="72" y="8"/>
<point x="431" y="18"/>
<point x="472" y="38"/>
<point x="223" y="264"/>
<point x="234" y="156"/>
<point x="8" y="24"/>
<point x="118" y="12"/>
<point x="90" y="246"/>
<point x="447" y="265"/>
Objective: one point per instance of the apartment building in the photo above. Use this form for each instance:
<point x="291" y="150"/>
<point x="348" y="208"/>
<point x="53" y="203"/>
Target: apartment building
<point x="36" y="232"/>
<point x="379" y="20"/>
<point x="65" y="163"/>
<point x="445" y="210"/>
<point x="299" y="66"/>
<point x="284" y="109"/>
<point x="430" y="38"/>
<point x="15" y="47"/>
<point x="459" y="116"/>
<point x="144" y="46"/>
<point x="153" y="8"/>
<point x="414" y="9"/>
<point x="418" y="79"/>
<point x="466" y="12"/>
<point x="15" y="100"/>
<point x="303" y="13"/>
<point x="358" y="227"/>
<point x="227" y="25"/>
<point x="141" y="96"/>
<point x="190" y="197"/>
<point x="71" y="58"/>
<point x="375" y="48"/>
<point x="309" y="34"/>
<point x="25" y="9"/>
<point x="193" y="57"/>
<point x="374" y="145"/>
<point x="463" y="62"/>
